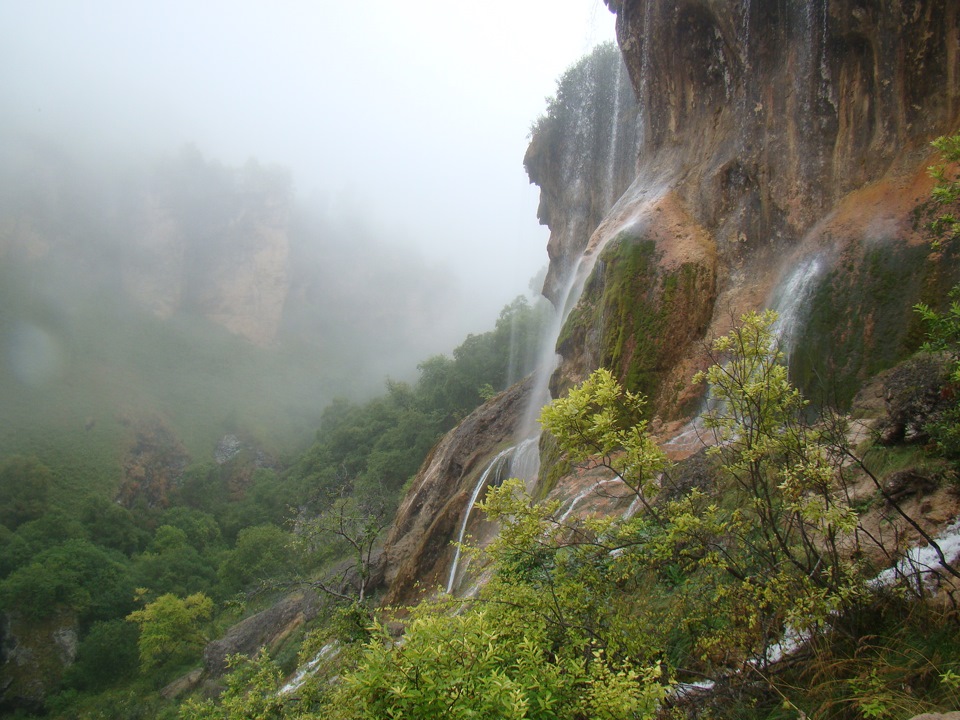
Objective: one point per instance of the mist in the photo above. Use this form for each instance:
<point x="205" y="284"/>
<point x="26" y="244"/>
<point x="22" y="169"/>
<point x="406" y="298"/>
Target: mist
<point x="218" y="217"/>
<point x="413" y="116"/>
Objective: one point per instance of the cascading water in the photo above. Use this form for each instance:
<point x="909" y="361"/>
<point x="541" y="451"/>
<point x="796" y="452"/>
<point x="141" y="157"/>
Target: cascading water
<point x="499" y="468"/>
<point x="610" y="180"/>
<point x="643" y="99"/>
<point x="792" y="300"/>
<point x="327" y="652"/>
<point x="548" y="358"/>
<point x="579" y="498"/>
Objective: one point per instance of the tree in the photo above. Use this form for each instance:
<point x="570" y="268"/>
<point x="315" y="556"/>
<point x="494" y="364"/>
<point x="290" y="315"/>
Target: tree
<point x="172" y="565"/>
<point x="107" y="655"/>
<point x="352" y="527"/>
<point x="946" y="191"/>
<point x="24" y="487"/>
<point x="261" y="553"/>
<point x="76" y="576"/>
<point x="725" y="569"/>
<point x="171" y="629"/>
<point x="488" y="663"/>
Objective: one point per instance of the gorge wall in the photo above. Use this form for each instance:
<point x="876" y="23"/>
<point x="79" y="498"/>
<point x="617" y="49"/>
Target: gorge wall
<point x="760" y="137"/>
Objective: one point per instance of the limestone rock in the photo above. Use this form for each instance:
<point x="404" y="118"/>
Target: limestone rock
<point x="913" y="394"/>
<point x="418" y="550"/>
<point x="265" y="629"/>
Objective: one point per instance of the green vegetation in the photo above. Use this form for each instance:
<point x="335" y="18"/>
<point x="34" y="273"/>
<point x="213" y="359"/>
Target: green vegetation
<point x="171" y="629"/>
<point x="210" y="542"/>
<point x="640" y="317"/>
<point x="608" y="618"/>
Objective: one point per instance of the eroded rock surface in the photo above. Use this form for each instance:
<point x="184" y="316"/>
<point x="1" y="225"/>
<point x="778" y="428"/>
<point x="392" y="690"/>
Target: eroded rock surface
<point x="418" y="550"/>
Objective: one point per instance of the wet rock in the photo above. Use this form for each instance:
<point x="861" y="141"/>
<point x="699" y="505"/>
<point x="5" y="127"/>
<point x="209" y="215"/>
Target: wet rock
<point x="418" y="550"/>
<point x="265" y="629"/>
<point x="914" y="397"/>
<point x="904" y="483"/>
<point x="228" y="448"/>
<point x="182" y="685"/>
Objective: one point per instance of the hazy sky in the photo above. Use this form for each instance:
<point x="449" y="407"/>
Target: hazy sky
<point x="414" y="113"/>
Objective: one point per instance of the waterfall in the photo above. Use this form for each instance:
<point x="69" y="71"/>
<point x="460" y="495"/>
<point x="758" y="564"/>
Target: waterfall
<point x="496" y="466"/>
<point x="328" y="651"/>
<point x="548" y="358"/>
<point x="614" y="136"/>
<point x="582" y="495"/>
<point x="643" y="99"/>
<point x="792" y="299"/>
<point x="525" y="463"/>
<point x="826" y="79"/>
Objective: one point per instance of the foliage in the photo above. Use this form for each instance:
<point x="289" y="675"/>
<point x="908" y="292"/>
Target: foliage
<point x="76" y="576"/>
<point x="251" y="692"/>
<point x="112" y="526"/>
<point x="946" y="192"/>
<point x="107" y="656"/>
<point x="261" y="553"/>
<point x="600" y="423"/>
<point x="24" y="487"/>
<point x="171" y="629"/>
<point x="351" y="526"/>
<point x="724" y="571"/>
<point x="170" y="564"/>
<point x="488" y="663"/>
<point x="943" y="333"/>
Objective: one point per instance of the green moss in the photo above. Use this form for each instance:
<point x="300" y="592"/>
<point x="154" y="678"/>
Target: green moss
<point x="638" y="318"/>
<point x="861" y="319"/>
<point x="553" y="467"/>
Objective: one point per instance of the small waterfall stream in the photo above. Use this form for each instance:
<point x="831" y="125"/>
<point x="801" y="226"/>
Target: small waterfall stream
<point x="580" y="497"/>
<point x="791" y="300"/>
<point x="610" y="180"/>
<point x="496" y="467"/>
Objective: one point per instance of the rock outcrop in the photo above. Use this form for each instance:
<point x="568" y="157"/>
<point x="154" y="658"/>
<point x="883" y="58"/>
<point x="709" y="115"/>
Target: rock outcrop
<point x="582" y="155"/>
<point x="765" y="134"/>
<point x="215" y="241"/>
<point x="419" y="550"/>
<point x="266" y="629"/>
<point x="775" y="111"/>
<point x="771" y="154"/>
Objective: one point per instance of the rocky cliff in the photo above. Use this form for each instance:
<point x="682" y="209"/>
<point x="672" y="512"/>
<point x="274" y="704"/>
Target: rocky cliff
<point x="766" y="133"/>
<point x="771" y="154"/>
<point x="186" y="236"/>
<point x="225" y="257"/>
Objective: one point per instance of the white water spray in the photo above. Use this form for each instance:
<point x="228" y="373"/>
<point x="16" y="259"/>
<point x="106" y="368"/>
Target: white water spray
<point x="495" y="466"/>
<point x="614" y="136"/>
<point x="792" y="301"/>
<point x="327" y="652"/>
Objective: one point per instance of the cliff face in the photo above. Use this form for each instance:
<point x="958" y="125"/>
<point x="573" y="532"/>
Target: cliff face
<point x="582" y="154"/>
<point x="186" y="236"/>
<point x="769" y="132"/>
<point x="775" y="111"/>
<point x="769" y="155"/>
<point x="418" y="553"/>
<point x="215" y="241"/>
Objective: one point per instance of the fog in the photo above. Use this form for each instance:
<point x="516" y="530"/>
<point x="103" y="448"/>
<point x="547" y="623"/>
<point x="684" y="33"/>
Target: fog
<point x="412" y="116"/>
<point x="216" y="217"/>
